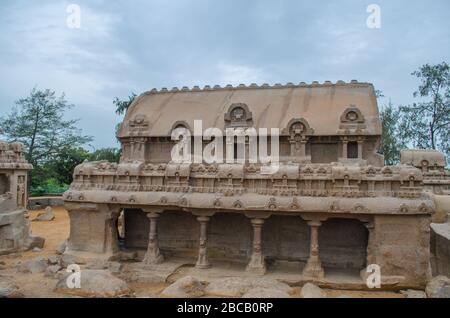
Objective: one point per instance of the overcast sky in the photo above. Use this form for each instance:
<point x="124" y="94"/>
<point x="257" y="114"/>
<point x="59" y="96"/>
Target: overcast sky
<point x="134" y="45"/>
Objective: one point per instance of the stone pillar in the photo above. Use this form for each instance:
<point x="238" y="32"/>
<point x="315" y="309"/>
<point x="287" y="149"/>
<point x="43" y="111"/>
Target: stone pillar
<point x="202" y="261"/>
<point x="344" y="148"/>
<point x="257" y="264"/>
<point x="360" y="149"/>
<point x="313" y="268"/>
<point x="302" y="151"/>
<point x="153" y="256"/>
<point x="371" y="257"/>
<point x="111" y="235"/>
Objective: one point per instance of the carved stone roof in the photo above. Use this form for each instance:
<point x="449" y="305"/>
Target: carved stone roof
<point x="11" y="156"/>
<point x="155" y="112"/>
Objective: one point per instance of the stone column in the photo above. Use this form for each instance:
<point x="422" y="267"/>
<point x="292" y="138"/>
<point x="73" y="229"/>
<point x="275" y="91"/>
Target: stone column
<point x="360" y="149"/>
<point x="313" y="268"/>
<point x="111" y="235"/>
<point x="202" y="261"/>
<point x="303" y="148"/>
<point x="257" y="264"/>
<point x="153" y="256"/>
<point x="371" y="257"/>
<point x="344" y="149"/>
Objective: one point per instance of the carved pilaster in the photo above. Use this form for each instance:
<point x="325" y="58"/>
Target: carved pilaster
<point x="257" y="264"/>
<point x="313" y="268"/>
<point x="153" y="255"/>
<point x="344" y="148"/>
<point x="360" y="148"/>
<point x="202" y="261"/>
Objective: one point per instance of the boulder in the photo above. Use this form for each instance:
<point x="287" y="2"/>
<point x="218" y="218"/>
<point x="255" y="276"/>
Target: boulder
<point x="53" y="259"/>
<point x="67" y="259"/>
<point x="265" y="293"/>
<point x="113" y="267"/>
<point x="35" y="241"/>
<point x="45" y="216"/>
<point x="312" y="291"/>
<point x="9" y="290"/>
<point x="38" y="265"/>
<point x="237" y="286"/>
<point x="52" y="270"/>
<point x="228" y="287"/>
<point x="412" y="293"/>
<point x="37" y="250"/>
<point x="97" y="264"/>
<point x="185" y="287"/>
<point x="62" y="248"/>
<point x="94" y="283"/>
<point x="270" y="283"/>
<point x="438" y="287"/>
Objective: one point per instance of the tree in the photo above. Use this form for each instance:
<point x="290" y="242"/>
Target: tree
<point x="391" y="144"/>
<point x="122" y="105"/>
<point x="38" y="122"/>
<point x="61" y="167"/>
<point x="109" y="154"/>
<point x="426" y="124"/>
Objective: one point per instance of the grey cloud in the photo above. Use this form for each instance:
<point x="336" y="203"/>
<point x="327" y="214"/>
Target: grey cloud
<point x="128" y="46"/>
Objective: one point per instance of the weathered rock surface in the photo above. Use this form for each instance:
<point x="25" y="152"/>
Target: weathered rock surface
<point x="113" y="267"/>
<point x="9" y="290"/>
<point x="312" y="291"/>
<point x="62" y="248"/>
<point x="187" y="286"/>
<point x="52" y="270"/>
<point x="237" y="287"/>
<point x="265" y="293"/>
<point x="95" y="283"/>
<point x="45" y="216"/>
<point x="38" y="265"/>
<point x="438" y="287"/>
<point x="412" y="293"/>
<point x="35" y="241"/>
<point x="67" y="259"/>
<point x="53" y="259"/>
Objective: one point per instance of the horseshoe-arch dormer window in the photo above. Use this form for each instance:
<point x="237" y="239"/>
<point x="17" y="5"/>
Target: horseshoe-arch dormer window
<point x="238" y="115"/>
<point x="352" y="115"/>
<point x="298" y="132"/>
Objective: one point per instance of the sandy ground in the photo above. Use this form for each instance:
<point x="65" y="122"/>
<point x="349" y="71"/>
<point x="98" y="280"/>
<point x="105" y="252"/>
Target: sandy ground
<point x="57" y="231"/>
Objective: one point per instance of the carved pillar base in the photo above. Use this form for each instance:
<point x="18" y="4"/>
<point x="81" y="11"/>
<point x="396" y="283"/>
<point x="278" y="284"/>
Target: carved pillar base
<point x="153" y="255"/>
<point x="313" y="268"/>
<point x="257" y="264"/>
<point x="202" y="261"/>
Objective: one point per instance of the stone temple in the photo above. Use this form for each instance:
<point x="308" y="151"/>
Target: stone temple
<point x="14" y="224"/>
<point x="331" y="206"/>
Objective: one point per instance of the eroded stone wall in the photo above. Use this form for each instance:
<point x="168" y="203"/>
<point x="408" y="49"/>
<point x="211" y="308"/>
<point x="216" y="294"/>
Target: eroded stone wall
<point x="402" y="247"/>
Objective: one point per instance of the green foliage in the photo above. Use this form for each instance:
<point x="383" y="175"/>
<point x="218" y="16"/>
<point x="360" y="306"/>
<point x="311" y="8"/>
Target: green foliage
<point x="426" y="124"/>
<point x="122" y="105"/>
<point x="54" y="176"/>
<point x="391" y="144"/>
<point x="38" y="122"/>
<point x="48" y="187"/>
<point x="61" y="166"/>
<point x="108" y="154"/>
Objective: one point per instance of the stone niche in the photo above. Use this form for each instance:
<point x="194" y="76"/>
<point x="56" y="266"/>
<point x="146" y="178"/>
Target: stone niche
<point x="4" y="184"/>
